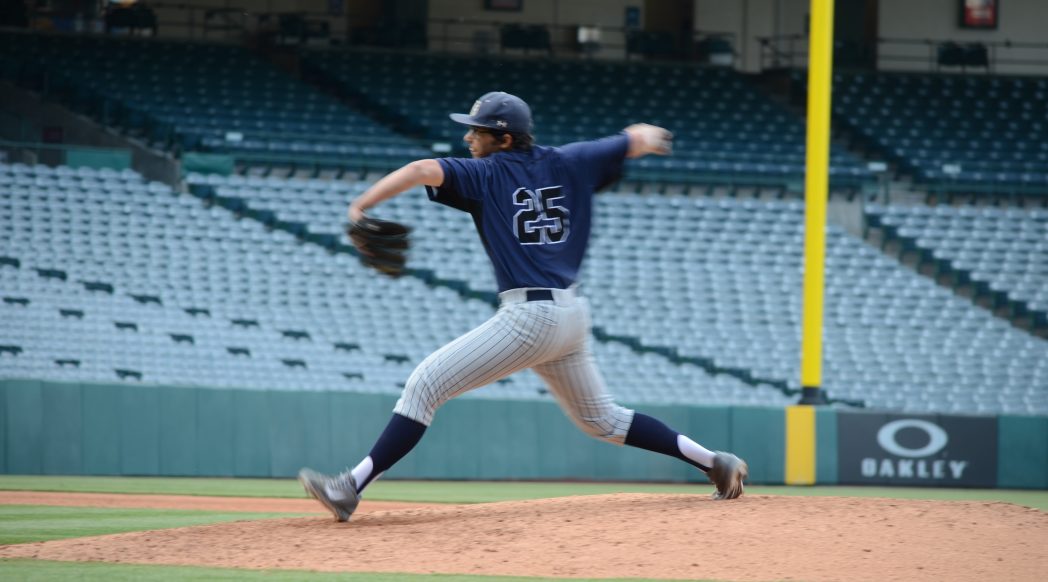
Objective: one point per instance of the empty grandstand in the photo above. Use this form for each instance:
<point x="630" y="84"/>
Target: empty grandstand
<point x="1001" y="254"/>
<point x="242" y="280"/>
<point x="156" y="287"/>
<point x="725" y="277"/>
<point x="725" y="129"/>
<point x="960" y="134"/>
<point x="200" y="96"/>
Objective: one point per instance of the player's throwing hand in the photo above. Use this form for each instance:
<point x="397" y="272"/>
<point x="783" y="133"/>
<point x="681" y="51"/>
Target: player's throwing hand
<point x="649" y="139"/>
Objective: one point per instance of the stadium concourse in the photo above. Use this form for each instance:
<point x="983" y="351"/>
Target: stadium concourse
<point x="241" y="280"/>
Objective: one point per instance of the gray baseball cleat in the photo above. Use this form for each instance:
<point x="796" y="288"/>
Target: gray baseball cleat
<point x="338" y="493"/>
<point x="727" y="475"/>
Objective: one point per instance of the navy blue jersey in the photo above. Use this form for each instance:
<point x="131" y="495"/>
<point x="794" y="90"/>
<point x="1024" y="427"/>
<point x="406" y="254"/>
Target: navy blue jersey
<point x="533" y="209"/>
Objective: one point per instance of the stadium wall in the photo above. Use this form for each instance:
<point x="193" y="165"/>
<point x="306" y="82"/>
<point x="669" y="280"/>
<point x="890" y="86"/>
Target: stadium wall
<point x="474" y="32"/>
<point x="98" y="429"/>
<point x="748" y="21"/>
<point x="1020" y="21"/>
<point x="190" y="18"/>
<point x="459" y="26"/>
<point x="935" y="20"/>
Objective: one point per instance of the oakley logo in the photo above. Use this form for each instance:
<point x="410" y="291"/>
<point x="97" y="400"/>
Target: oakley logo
<point x="887" y="438"/>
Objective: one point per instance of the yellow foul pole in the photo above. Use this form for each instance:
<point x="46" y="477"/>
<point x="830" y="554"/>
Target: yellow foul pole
<point x="820" y="71"/>
<point x="801" y="442"/>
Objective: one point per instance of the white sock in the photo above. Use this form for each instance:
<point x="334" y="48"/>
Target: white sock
<point x="362" y="472"/>
<point x="694" y="451"/>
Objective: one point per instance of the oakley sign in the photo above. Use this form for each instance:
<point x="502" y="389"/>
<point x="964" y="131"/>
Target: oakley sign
<point x="924" y="450"/>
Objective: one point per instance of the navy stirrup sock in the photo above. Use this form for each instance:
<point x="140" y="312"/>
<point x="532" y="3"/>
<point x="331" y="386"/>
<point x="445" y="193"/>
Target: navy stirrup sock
<point x="400" y="436"/>
<point x="651" y="434"/>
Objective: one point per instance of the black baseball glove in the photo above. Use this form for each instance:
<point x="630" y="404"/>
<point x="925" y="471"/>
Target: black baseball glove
<point x="383" y="244"/>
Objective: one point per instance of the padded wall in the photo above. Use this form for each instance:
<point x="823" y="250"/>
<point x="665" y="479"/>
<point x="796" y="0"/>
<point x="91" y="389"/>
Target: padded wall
<point x="98" y="429"/>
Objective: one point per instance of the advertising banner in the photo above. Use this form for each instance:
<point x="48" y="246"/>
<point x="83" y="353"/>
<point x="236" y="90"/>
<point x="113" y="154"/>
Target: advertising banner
<point x="916" y="449"/>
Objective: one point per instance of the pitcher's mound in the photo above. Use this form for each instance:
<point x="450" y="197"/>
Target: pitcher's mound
<point x="623" y="535"/>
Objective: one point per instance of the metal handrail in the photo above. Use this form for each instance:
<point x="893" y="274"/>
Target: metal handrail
<point x="294" y="135"/>
<point x="246" y="18"/>
<point x="791" y="51"/>
<point x="993" y="47"/>
<point x="197" y="16"/>
<point x="558" y="44"/>
<point x="773" y="55"/>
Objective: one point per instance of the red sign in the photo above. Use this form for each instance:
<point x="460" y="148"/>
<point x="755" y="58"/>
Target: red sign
<point x="979" y="13"/>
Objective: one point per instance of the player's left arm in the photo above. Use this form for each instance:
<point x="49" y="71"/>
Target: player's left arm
<point x="648" y="139"/>
<point x="418" y="173"/>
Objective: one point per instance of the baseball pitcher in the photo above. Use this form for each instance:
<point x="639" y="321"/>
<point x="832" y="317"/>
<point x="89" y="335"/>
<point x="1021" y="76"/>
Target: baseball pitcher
<point x="533" y="208"/>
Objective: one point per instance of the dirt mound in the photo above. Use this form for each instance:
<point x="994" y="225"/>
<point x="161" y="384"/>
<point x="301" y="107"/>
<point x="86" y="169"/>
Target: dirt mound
<point x="623" y="535"/>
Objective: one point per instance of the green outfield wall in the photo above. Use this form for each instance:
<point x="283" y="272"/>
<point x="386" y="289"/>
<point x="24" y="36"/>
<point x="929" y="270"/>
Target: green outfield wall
<point x="95" y="429"/>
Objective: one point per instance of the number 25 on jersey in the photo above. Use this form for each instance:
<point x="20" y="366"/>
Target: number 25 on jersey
<point x="541" y="220"/>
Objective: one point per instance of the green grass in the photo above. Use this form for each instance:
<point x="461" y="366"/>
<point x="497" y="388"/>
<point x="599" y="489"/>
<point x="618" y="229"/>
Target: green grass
<point x="32" y="570"/>
<point x="154" y="485"/>
<point x="32" y="523"/>
<point x="479" y="491"/>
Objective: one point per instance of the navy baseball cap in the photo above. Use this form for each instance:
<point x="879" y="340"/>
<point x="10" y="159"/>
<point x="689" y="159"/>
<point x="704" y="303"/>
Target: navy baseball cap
<point x="499" y="111"/>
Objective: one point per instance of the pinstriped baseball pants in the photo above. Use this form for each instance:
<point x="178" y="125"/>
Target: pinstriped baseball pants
<point x="550" y="337"/>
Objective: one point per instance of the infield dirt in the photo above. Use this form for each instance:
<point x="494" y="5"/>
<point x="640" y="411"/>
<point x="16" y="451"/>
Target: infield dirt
<point x="623" y="535"/>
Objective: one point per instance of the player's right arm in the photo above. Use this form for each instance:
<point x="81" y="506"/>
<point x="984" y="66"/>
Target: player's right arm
<point x="418" y="173"/>
<point x="648" y="139"/>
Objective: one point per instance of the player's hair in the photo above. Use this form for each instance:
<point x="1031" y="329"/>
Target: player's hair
<point x="521" y="141"/>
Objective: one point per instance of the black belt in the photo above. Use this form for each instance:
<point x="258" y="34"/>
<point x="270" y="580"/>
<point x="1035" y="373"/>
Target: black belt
<point x="539" y="295"/>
